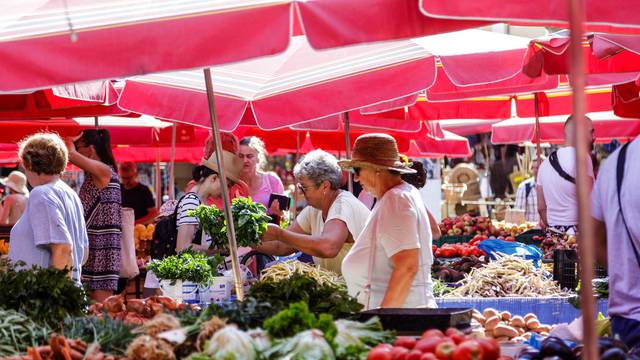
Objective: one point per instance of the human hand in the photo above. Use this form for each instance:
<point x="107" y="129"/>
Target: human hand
<point x="275" y="208"/>
<point x="71" y="146"/>
<point x="272" y="234"/>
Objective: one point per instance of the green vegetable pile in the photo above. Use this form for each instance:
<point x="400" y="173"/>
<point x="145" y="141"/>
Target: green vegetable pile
<point x="600" y="291"/>
<point x="18" y="333"/>
<point x="188" y="265"/>
<point x="113" y="335"/>
<point x="327" y="298"/>
<point x="250" y="221"/>
<point x="298" y="318"/>
<point x="46" y="296"/>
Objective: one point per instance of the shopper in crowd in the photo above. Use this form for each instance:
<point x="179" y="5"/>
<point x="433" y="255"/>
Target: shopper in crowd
<point x="136" y="195"/>
<point x="101" y="198"/>
<point x="52" y="231"/>
<point x="329" y="225"/>
<point x="556" y="185"/>
<point x="390" y="263"/>
<point x="526" y="196"/>
<point x="419" y="179"/>
<point x="616" y="210"/>
<point x="260" y="182"/>
<point x="15" y="202"/>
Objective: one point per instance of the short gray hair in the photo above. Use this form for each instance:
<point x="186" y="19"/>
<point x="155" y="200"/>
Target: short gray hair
<point x="319" y="166"/>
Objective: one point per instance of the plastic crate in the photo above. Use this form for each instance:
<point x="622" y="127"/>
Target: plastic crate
<point x="565" y="268"/>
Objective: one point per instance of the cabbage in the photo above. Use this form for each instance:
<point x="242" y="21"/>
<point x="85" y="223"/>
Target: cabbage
<point x="230" y="343"/>
<point x="355" y="337"/>
<point x="307" y="345"/>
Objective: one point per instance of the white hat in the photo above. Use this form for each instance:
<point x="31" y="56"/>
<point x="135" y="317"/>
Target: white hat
<point x="16" y="181"/>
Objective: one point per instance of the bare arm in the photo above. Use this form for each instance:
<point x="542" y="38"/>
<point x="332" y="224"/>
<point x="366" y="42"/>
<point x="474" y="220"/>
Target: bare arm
<point x="149" y="218"/>
<point x="433" y="224"/>
<point x="405" y="268"/>
<point x="271" y="245"/>
<point x="185" y="239"/>
<point x="326" y="245"/>
<point x="61" y="256"/>
<point x="101" y="172"/>
<point x="601" y="241"/>
<point x="6" y="210"/>
<point x="542" y="207"/>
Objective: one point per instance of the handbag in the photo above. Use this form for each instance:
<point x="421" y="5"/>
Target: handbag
<point x="128" y="264"/>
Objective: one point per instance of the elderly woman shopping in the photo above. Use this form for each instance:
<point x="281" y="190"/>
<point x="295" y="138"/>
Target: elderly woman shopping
<point x="390" y="263"/>
<point x="331" y="222"/>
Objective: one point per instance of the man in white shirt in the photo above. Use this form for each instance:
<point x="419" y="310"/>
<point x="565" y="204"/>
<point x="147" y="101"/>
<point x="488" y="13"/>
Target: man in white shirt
<point x="617" y="227"/>
<point x="556" y="188"/>
<point x="526" y="197"/>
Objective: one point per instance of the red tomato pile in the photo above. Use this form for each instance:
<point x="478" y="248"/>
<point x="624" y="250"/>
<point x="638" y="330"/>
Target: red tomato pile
<point x="457" y="250"/>
<point x="435" y="345"/>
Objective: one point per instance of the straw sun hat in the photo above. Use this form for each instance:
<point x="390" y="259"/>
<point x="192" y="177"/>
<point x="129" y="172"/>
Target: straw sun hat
<point x="232" y="165"/>
<point x="378" y="151"/>
<point x="16" y="181"/>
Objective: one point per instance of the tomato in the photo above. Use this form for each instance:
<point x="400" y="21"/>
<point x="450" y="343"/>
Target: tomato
<point x="399" y="353"/>
<point x="406" y="342"/>
<point x="434" y="248"/>
<point x="490" y="348"/>
<point x="431" y="333"/>
<point x="429" y="344"/>
<point x="445" y="350"/>
<point x="451" y="331"/>
<point x="380" y="353"/>
<point x="428" y="356"/>
<point x="468" y="350"/>
<point x="458" y="338"/>
<point x="414" y="355"/>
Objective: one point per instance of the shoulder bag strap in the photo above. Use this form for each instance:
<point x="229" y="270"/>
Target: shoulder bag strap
<point x="619" y="177"/>
<point x="553" y="159"/>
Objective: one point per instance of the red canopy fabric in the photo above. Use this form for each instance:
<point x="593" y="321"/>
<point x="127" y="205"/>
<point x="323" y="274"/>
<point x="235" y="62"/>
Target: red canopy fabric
<point x="466" y="127"/>
<point x="626" y="100"/>
<point x="559" y="102"/>
<point x="606" y="127"/>
<point x="498" y="107"/>
<point x="607" y="16"/>
<point x="448" y="144"/>
<point x="74" y="41"/>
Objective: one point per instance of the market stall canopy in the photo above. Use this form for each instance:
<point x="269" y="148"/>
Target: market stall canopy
<point x="446" y="144"/>
<point x="626" y="99"/>
<point x="297" y="86"/>
<point x="605" y="16"/>
<point x="560" y="102"/>
<point x="610" y="58"/>
<point x="606" y="127"/>
<point x="466" y="127"/>
<point x="495" y="107"/>
<point x="44" y="43"/>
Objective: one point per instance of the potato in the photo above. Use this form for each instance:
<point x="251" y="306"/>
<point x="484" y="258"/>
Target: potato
<point x="505" y="315"/>
<point x="489" y="312"/>
<point x="491" y="323"/>
<point x="479" y="318"/>
<point x="518" y="339"/>
<point x="543" y="328"/>
<point x="502" y="339"/>
<point x="530" y="316"/>
<point x="520" y="330"/>
<point x="544" y="334"/>
<point x="518" y="321"/>
<point x="533" y="324"/>
<point x="505" y="330"/>
<point x="526" y="335"/>
<point x="488" y="333"/>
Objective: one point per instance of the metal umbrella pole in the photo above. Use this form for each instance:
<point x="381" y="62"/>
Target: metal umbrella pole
<point x="172" y="174"/>
<point x="348" y="149"/>
<point x="587" y="232"/>
<point x="231" y="233"/>
<point x="294" y="211"/>
<point x="158" y="180"/>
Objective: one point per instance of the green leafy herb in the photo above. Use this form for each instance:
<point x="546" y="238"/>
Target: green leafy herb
<point x="187" y="265"/>
<point x="247" y="314"/>
<point x="250" y="221"/>
<point x="18" y="333"/>
<point x="297" y="318"/>
<point x="46" y="296"/>
<point x="112" y="335"/>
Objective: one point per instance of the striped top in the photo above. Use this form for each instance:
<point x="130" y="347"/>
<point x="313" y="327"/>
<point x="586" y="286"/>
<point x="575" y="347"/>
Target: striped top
<point x="190" y="201"/>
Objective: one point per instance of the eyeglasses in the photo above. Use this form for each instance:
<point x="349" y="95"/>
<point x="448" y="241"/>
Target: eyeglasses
<point x="302" y="188"/>
<point x="356" y="170"/>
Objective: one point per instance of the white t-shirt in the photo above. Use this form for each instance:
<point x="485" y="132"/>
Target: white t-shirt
<point x="345" y="207"/>
<point x="398" y="222"/>
<point x="624" y="271"/>
<point x="560" y="194"/>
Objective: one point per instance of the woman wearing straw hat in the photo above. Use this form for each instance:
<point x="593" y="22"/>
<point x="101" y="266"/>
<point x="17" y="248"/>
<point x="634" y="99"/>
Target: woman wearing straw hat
<point x="390" y="263"/>
<point x="14" y="204"/>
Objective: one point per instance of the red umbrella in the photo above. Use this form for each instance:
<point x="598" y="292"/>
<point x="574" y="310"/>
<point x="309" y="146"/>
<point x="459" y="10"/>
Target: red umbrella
<point x="605" y="16"/>
<point x="465" y="127"/>
<point x="626" y="99"/>
<point x="606" y="127"/>
<point x="559" y="102"/>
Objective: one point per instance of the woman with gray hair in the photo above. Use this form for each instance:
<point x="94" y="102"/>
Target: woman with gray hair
<point x="328" y="226"/>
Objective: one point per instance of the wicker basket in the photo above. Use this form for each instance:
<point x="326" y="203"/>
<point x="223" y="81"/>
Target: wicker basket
<point x="453" y="192"/>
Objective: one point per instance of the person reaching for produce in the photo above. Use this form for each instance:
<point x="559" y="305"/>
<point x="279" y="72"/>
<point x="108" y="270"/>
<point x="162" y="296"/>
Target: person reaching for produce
<point x="329" y="225"/>
<point x="390" y="263"/>
<point x="52" y="230"/>
<point x="615" y="214"/>
<point x="101" y="198"/>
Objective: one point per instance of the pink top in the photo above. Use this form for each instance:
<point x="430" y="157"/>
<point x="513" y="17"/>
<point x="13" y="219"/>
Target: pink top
<point x="271" y="184"/>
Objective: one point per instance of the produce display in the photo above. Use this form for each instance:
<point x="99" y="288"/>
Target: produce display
<point x="557" y="242"/>
<point x="46" y="296"/>
<point x="481" y="225"/>
<point x="136" y="311"/>
<point x="250" y="221"/>
<point x="188" y="265"/>
<point x="18" y="333"/>
<point x="553" y="347"/>
<point x="436" y="345"/>
<point x="454" y="272"/>
<point x="284" y="270"/>
<point x="503" y="326"/>
<point x="457" y="250"/>
<point x="507" y="276"/>
<point x="60" y="347"/>
<point x="4" y="247"/>
<point x="142" y="236"/>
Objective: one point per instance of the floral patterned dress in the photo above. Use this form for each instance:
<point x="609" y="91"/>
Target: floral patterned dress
<point x="102" y="211"/>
